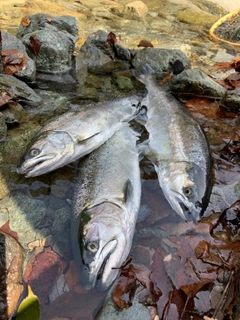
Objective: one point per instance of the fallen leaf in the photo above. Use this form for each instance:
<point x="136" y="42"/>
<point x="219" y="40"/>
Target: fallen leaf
<point x="145" y="43"/>
<point x="26" y="21"/>
<point x="5" y="97"/>
<point x="5" y="228"/>
<point x="111" y="39"/>
<point x="49" y="19"/>
<point x="34" y="45"/>
<point x="29" y="308"/>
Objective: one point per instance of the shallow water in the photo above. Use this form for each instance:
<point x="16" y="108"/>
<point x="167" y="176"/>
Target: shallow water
<point x="44" y="203"/>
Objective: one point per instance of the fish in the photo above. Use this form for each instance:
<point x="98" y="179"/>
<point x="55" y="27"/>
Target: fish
<point x="105" y="209"/>
<point x="178" y="149"/>
<point x="75" y="134"/>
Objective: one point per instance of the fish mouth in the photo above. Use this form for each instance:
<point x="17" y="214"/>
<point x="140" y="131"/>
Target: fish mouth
<point x="96" y="269"/>
<point x="186" y="209"/>
<point x="31" y="170"/>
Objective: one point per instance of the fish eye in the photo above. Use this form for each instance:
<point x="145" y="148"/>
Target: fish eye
<point x="34" y="152"/>
<point x="187" y="191"/>
<point x="92" y="246"/>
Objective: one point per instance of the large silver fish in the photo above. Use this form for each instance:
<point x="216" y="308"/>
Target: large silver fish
<point x="178" y="149"/>
<point x="106" y="203"/>
<point x="75" y="134"/>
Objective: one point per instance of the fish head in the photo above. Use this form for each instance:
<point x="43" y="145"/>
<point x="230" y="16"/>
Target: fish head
<point x="187" y="188"/>
<point x="104" y="244"/>
<point x="47" y="152"/>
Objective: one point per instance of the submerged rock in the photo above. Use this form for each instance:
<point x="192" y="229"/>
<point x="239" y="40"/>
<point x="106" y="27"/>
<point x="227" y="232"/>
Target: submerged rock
<point x="110" y="311"/>
<point x="3" y="128"/>
<point x="195" y="82"/>
<point x="19" y="90"/>
<point x="161" y="60"/>
<point x="232" y="99"/>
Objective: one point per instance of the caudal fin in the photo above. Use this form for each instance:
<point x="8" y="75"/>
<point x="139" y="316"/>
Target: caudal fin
<point x="144" y="74"/>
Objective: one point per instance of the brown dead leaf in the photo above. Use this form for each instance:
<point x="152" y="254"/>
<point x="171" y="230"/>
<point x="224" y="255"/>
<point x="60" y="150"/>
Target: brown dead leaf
<point x="34" y="45"/>
<point x="206" y="107"/>
<point x="49" y="19"/>
<point x="26" y="21"/>
<point x="13" y="61"/>
<point x="5" y="228"/>
<point x="111" y="39"/>
<point x="5" y="97"/>
<point x="145" y="43"/>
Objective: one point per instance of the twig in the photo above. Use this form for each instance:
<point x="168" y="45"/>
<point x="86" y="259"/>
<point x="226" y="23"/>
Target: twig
<point x="219" y="305"/>
<point x="219" y="22"/>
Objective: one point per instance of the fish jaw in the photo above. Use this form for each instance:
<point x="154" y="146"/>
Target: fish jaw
<point x="185" y="186"/>
<point x="111" y="240"/>
<point x="49" y="152"/>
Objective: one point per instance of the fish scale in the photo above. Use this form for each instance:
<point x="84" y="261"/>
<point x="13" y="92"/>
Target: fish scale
<point x="178" y="148"/>
<point x="105" y="208"/>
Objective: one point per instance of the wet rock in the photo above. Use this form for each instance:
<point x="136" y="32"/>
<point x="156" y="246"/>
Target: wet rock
<point x="195" y="82"/>
<point x="19" y="90"/>
<point x="123" y="83"/>
<point x="195" y="15"/>
<point x="122" y="53"/>
<point x="99" y="56"/>
<point x="61" y="82"/>
<point x="62" y="218"/>
<point x="11" y="287"/>
<point x="3" y="128"/>
<point x="50" y="41"/>
<point x="232" y="99"/>
<point x="135" y="9"/>
<point x="13" y="113"/>
<point x="161" y="60"/>
<point x="25" y="215"/>
<point x="110" y="311"/>
<point x="40" y="21"/>
<point x="10" y="42"/>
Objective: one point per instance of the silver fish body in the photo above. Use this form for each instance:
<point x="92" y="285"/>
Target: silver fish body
<point x="105" y="208"/>
<point x="178" y="149"/>
<point x="75" y="134"/>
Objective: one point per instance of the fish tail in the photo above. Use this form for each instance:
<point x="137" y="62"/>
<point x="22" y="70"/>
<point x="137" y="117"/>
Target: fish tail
<point x="144" y="74"/>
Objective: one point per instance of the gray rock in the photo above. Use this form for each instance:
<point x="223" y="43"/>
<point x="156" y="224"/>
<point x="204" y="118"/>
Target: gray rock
<point x="3" y="128"/>
<point x="110" y="310"/>
<point x="19" y="90"/>
<point x="10" y="42"/>
<point x="161" y="60"/>
<point x="50" y="41"/>
<point x="99" y="56"/>
<point x="195" y="82"/>
<point x="55" y="53"/>
<point x="39" y="21"/>
<point x="25" y="214"/>
<point x="122" y="53"/>
<point x="13" y="113"/>
<point x="53" y="104"/>
<point x="232" y="99"/>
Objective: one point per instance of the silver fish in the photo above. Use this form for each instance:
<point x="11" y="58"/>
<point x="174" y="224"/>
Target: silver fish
<point x="75" y="134"/>
<point x="178" y="149"/>
<point x="105" y="208"/>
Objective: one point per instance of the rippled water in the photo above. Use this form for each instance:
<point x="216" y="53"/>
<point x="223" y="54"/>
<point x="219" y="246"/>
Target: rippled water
<point x="54" y="191"/>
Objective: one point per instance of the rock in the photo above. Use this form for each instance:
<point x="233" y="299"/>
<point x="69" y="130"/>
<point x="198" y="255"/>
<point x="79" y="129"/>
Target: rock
<point x="53" y="104"/>
<point x="39" y="21"/>
<point x="110" y="311"/>
<point x="135" y="10"/>
<point x="122" y="53"/>
<point x="25" y="215"/>
<point x="195" y="15"/>
<point x="197" y="83"/>
<point x="232" y="99"/>
<point x="50" y="41"/>
<point x="99" y="56"/>
<point x="161" y="60"/>
<point x="123" y="83"/>
<point x="3" y="128"/>
<point x="11" y="264"/>
<point x="19" y="90"/>
<point x="10" y="42"/>
<point x="13" y="113"/>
